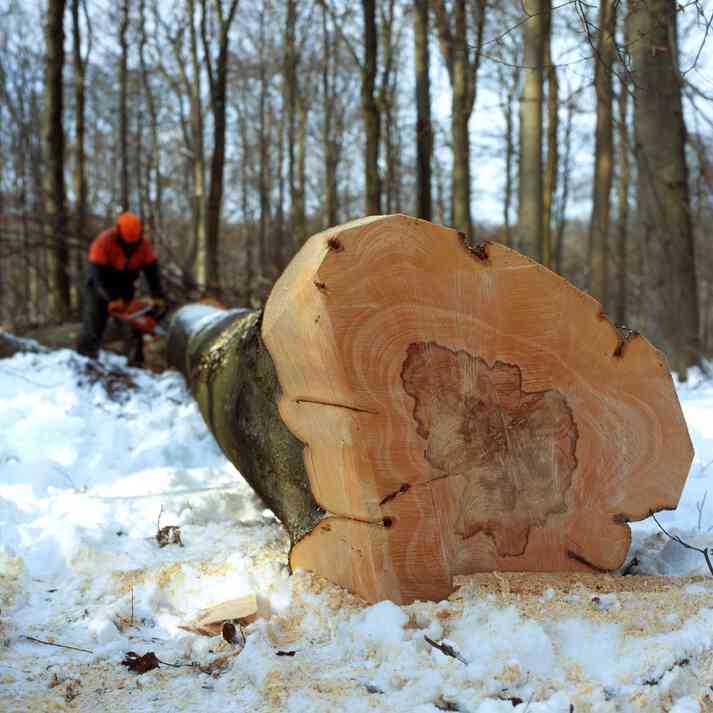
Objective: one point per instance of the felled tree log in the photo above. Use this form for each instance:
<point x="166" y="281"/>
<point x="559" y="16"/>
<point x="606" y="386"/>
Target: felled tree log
<point x="455" y="408"/>
<point x="11" y="345"/>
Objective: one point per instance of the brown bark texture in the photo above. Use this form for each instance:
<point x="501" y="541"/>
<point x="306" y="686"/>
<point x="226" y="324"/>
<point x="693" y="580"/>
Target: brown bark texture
<point x="664" y="216"/>
<point x="424" y="129"/>
<point x="217" y="82"/>
<point x="530" y="218"/>
<point x="370" y="109"/>
<point x="603" y="154"/>
<point x="463" y="74"/>
<point x="494" y="420"/>
<point x="330" y="133"/>
<point x="53" y="147"/>
<point x="123" y="108"/>
<point x="624" y="151"/>
<point x="552" y="163"/>
<point x="80" y="181"/>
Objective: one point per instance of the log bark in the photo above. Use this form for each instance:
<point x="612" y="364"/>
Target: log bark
<point x="415" y="407"/>
<point x="232" y="377"/>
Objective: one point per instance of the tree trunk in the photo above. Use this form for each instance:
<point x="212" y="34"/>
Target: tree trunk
<point x="460" y="210"/>
<point x="329" y="141"/>
<point x="123" y="109"/>
<point x="530" y="218"/>
<point x="218" y="78"/>
<point x="387" y="103"/>
<point x="290" y="91"/>
<point x="300" y="223"/>
<point x="194" y="86"/>
<point x="671" y="295"/>
<point x="53" y="144"/>
<point x="564" y="198"/>
<point x="231" y="374"/>
<point x="463" y="75"/>
<point x="80" y="182"/>
<point x="370" y="110"/>
<point x="550" y="180"/>
<point x="623" y="207"/>
<point x="154" y="172"/>
<point x="424" y="130"/>
<point x="437" y="435"/>
<point x="264" y="160"/>
<point x="509" y="149"/>
<point x="603" y="155"/>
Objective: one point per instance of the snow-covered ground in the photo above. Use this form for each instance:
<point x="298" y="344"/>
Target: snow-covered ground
<point x="88" y="463"/>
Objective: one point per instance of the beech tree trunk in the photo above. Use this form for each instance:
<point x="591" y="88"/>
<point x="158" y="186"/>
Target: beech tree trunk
<point x="80" y="181"/>
<point x="217" y="82"/>
<point x="664" y="207"/>
<point x="370" y="109"/>
<point x="330" y="129"/>
<point x="53" y="148"/>
<point x="424" y="130"/>
<point x="463" y="75"/>
<point x="123" y="108"/>
<point x="530" y="209"/>
<point x="621" y="309"/>
<point x="603" y="154"/>
<point x="551" y="166"/>
<point x="439" y="426"/>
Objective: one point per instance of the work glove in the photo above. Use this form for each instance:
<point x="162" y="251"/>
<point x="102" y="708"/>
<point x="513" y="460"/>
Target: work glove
<point x="116" y="306"/>
<point x="158" y="306"/>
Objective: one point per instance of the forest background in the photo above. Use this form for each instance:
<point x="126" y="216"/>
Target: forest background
<point x="579" y="133"/>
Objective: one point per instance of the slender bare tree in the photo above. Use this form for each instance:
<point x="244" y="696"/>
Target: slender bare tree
<point x="530" y="219"/>
<point x="424" y="130"/>
<point x="463" y="75"/>
<point x="80" y="180"/>
<point x="370" y="109"/>
<point x="217" y="83"/>
<point x="123" y="108"/>
<point x="604" y="58"/>
<point x="550" y="178"/>
<point x="624" y="150"/>
<point x="53" y="144"/>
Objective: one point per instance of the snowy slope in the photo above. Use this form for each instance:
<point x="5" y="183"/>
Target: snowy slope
<point x="88" y="461"/>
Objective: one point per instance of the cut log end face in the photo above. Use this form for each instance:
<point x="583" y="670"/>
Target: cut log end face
<point x="463" y="411"/>
<point x="514" y="451"/>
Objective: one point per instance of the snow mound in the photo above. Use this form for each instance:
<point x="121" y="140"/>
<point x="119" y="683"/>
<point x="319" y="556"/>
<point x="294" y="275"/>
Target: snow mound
<point x="94" y="457"/>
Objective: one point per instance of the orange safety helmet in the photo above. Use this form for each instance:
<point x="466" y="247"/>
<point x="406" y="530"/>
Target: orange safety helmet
<point x="130" y="227"/>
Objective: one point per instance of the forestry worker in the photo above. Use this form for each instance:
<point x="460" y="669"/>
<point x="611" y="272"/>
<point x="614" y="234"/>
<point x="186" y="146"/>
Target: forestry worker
<point x="116" y="256"/>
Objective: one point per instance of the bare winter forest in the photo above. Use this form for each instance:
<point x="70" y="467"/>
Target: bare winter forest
<point x="579" y="133"/>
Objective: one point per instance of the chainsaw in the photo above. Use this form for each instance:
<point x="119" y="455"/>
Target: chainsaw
<point x="138" y="314"/>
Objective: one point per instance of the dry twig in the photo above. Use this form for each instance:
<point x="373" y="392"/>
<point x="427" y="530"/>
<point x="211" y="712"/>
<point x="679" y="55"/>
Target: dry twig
<point x="446" y="649"/>
<point x="676" y="538"/>
<point x="60" y="646"/>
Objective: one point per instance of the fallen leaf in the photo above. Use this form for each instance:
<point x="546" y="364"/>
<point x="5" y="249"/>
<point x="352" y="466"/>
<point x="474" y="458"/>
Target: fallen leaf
<point x="169" y="535"/>
<point x="232" y="634"/>
<point x="140" y="664"/>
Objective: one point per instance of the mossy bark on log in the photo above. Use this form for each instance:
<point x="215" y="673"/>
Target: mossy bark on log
<point x="232" y="377"/>
<point x="456" y="408"/>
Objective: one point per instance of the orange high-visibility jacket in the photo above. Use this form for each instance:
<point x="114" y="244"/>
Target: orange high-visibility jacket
<point x="114" y="268"/>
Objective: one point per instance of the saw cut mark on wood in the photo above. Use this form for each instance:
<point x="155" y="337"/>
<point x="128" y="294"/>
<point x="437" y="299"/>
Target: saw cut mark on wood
<point x="471" y="401"/>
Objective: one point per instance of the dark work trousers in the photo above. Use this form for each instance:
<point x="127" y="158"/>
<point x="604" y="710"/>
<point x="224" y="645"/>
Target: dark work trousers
<point x="95" y="315"/>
